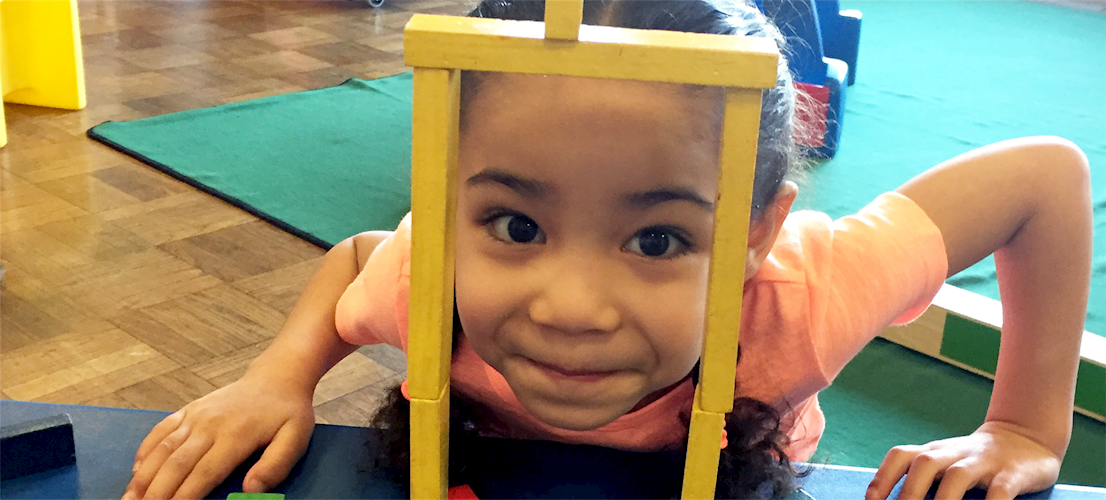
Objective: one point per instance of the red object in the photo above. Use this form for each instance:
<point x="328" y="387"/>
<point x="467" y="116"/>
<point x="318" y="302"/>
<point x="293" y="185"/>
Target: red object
<point x="811" y="111"/>
<point x="462" y="492"/>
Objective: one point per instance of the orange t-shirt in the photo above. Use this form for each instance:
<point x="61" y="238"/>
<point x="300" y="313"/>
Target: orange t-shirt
<point x="827" y="288"/>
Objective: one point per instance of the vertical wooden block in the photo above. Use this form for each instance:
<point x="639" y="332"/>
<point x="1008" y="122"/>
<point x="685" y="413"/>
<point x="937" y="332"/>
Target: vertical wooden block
<point x="430" y="447"/>
<point x="433" y="205"/>
<point x="740" y="130"/>
<point x="701" y="468"/>
<point x="562" y="19"/>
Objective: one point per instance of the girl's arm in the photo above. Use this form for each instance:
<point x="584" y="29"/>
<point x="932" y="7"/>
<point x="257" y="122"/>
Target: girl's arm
<point x="194" y="449"/>
<point x="1028" y="201"/>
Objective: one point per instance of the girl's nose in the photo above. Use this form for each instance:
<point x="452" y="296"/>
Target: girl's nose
<point x="574" y="302"/>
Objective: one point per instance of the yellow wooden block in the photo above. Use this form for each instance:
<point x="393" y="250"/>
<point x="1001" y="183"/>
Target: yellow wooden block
<point x="433" y="205"/>
<point x="455" y="43"/>
<point x="40" y="53"/>
<point x="562" y="19"/>
<point x="602" y="52"/>
<point x="740" y="130"/>
<point x="430" y="447"/>
<point x="701" y="468"/>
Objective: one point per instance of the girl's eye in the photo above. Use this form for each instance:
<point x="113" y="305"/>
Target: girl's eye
<point x="516" y="228"/>
<point x="657" y="243"/>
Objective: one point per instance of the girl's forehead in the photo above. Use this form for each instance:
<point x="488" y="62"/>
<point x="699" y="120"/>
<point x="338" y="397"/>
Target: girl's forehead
<point x="591" y="135"/>
<point x="692" y="110"/>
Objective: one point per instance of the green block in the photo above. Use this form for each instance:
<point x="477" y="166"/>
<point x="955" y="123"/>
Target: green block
<point x="255" y="496"/>
<point x="1090" y="388"/>
<point x="971" y="343"/>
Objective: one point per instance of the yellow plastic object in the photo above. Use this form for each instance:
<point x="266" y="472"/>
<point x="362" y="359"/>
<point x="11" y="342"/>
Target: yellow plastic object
<point x="433" y="178"/>
<point x="562" y="19"/>
<point x="701" y="466"/>
<point x="744" y="65"/>
<point x="601" y="52"/>
<point x="40" y="55"/>
<point x="430" y="446"/>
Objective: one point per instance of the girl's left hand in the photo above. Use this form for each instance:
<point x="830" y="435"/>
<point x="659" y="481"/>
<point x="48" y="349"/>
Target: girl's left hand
<point x="998" y="456"/>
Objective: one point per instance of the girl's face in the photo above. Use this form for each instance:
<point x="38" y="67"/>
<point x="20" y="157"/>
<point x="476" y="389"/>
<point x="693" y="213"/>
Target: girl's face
<point x="585" y="212"/>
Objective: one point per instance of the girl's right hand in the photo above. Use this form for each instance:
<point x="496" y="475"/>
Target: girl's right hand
<point x="193" y="450"/>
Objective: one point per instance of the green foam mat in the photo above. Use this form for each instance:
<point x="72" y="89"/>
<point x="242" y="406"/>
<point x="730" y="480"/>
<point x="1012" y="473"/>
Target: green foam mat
<point x="323" y="164"/>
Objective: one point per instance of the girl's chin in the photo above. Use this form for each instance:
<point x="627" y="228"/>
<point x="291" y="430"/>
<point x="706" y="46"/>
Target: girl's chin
<point x="571" y="417"/>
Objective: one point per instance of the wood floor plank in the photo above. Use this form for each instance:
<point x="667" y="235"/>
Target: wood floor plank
<point x="280" y="288"/>
<point x="178" y="216"/>
<point x="197" y="327"/>
<point x="241" y="251"/>
<point x="358" y="407"/>
<point x="133" y="281"/>
<point x="224" y="369"/>
<point x="349" y="375"/>
<point x="74" y="368"/>
<point x="92" y="311"/>
<point x="141" y="181"/>
<point x="88" y="193"/>
<point x="169" y="391"/>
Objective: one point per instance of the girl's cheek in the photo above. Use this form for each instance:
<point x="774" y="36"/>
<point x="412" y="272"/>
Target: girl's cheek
<point x="484" y="302"/>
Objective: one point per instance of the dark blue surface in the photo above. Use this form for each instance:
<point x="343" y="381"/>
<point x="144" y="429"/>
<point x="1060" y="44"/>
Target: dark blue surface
<point x="338" y="464"/>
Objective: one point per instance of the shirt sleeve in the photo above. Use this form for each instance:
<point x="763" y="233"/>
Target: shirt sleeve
<point x="369" y="310"/>
<point x="885" y="265"/>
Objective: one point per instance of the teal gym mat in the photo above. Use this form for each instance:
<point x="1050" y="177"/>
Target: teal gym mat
<point x="935" y="79"/>
<point x="323" y="164"/>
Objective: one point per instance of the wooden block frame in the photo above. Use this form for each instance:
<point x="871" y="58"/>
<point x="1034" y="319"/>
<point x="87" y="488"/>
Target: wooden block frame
<point x="439" y="47"/>
<point x="962" y="328"/>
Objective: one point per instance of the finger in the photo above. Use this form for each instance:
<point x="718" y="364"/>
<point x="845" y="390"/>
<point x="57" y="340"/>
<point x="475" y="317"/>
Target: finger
<point x="958" y="479"/>
<point x="1003" y="486"/>
<point x="149" y="466"/>
<point x="157" y="435"/>
<point x="894" y="466"/>
<point x="178" y="466"/>
<point x="287" y="447"/>
<point x="223" y="457"/>
<point x="923" y="470"/>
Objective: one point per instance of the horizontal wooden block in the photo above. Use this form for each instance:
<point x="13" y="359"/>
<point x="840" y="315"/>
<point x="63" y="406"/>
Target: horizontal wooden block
<point x="39" y="445"/>
<point x="963" y="329"/>
<point x="741" y="125"/>
<point x="601" y="52"/>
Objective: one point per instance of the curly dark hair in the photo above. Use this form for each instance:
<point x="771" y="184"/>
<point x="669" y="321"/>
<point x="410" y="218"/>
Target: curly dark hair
<point x="753" y="465"/>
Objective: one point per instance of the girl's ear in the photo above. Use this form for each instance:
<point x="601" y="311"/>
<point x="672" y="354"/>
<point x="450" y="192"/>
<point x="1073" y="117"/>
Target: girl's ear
<point x="763" y="232"/>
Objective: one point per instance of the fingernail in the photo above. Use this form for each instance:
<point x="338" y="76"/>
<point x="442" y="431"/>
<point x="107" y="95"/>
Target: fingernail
<point x="254" y="485"/>
<point x="135" y="467"/>
<point x="128" y="495"/>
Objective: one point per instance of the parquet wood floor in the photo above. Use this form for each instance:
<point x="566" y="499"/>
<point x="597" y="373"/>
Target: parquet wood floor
<point x="126" y="288"/>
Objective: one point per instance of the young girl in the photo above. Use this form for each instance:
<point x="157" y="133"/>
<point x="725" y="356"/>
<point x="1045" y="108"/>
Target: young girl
<point x="584" y="228"/>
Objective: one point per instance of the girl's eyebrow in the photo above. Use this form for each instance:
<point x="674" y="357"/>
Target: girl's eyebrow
<point x="654" y="197"/>
<point x="526" y="187"/>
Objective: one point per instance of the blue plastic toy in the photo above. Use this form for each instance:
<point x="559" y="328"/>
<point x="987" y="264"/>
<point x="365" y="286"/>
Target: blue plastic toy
<point x="823" y="46"/>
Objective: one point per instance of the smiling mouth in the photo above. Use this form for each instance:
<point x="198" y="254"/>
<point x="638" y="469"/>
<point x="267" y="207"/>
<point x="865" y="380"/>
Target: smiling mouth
<point x="577" y="375"/>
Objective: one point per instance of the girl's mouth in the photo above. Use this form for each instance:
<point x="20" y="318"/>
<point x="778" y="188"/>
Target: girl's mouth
<point x="557" y="372"/>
